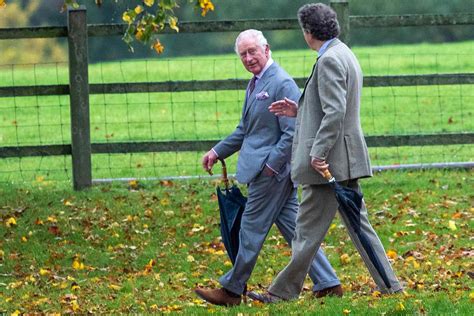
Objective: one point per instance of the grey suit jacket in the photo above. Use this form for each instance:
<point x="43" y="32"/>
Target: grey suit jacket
<point x="328" y="120"/>
<point x="262" y="137"/>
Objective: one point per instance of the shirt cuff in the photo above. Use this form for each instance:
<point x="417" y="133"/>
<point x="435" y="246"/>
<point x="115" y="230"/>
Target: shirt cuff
<point x="215" y="152"/>
<point x="274" y="171"/>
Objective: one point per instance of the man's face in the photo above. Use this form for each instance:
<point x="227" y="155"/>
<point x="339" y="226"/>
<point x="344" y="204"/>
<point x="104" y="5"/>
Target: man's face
<point x="253" y="56"/>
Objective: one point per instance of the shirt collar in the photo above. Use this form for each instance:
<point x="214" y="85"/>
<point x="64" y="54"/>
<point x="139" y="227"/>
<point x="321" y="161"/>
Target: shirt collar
<point x="267" y="65"/>
<point x="324" y="47"/>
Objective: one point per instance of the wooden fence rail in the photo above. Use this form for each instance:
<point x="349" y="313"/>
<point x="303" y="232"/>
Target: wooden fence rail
<point x="118" y="29"/>
<point x="229" y="84"/>
<point x="79" y="90"/>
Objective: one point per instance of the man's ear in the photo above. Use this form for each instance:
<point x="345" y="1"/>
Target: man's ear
<point x="267" y="49"/>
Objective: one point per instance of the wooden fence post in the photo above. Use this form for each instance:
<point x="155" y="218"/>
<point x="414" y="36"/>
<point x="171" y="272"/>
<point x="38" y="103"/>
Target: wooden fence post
<point x="79" y="98"/>
<point x="342" y="9"/>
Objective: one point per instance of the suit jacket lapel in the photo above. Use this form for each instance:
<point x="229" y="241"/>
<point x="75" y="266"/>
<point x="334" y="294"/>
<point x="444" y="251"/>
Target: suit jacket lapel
<point x="261" y="83"/>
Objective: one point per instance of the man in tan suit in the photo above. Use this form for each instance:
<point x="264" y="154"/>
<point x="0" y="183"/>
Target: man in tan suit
<point x="328" y="135"/>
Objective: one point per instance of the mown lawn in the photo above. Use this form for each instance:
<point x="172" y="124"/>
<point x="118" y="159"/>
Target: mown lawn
<point x="211" y="115"/>
<point x="142" y="247"/>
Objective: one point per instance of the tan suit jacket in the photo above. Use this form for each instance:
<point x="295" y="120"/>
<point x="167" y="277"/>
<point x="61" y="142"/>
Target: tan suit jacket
<point x="328" y="120"/>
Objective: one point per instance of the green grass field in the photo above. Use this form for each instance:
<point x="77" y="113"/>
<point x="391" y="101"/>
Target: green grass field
<point x="206" y="115"/>
<point x="142" y="249"/>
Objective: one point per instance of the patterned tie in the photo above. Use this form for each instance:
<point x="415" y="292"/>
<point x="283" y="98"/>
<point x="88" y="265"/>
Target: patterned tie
<point x="252" y="85"/>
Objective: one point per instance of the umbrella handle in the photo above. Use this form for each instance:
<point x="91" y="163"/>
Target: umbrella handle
<point x="224" y="174"/>
<point x="328" y="176"/>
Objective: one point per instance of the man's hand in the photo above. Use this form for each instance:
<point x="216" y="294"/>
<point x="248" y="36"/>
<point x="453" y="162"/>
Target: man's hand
<point x="208" y="160"/>
<point x="319" y="165"/>
<point x="285" y="107"/>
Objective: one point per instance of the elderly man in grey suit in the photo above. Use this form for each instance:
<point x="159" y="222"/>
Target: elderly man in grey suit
<point x="328" y="135"/>
<point x="264" y="141"/>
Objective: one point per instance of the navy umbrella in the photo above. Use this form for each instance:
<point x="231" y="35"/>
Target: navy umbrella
<point x="231" y="206"/>
<point x="350" y="203"/>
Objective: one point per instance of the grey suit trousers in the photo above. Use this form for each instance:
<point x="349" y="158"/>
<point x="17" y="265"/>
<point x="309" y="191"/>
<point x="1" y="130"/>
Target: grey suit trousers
<point x="271" y="201"/>
<point x="317" y="210"/>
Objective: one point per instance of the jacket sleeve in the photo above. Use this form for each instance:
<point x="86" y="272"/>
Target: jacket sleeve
<point x="281" y="152"/>
<point x="231" y="143"/>
<point x="332" y="88"/>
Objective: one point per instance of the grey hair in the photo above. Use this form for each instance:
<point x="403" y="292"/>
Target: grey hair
<point x="251" y="33"/>
<point x="319" y="20"/>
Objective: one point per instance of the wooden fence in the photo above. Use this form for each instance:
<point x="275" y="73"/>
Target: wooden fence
<point x="79" y="89"/>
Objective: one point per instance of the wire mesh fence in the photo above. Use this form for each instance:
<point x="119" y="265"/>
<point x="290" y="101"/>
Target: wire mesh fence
<point x="125" y="116"/>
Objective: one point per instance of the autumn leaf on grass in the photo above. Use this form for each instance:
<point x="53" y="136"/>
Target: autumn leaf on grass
<point x="452" y="225"/>
<point x="149" y="266"/>
<point x="10" y="222"/>
<point x="345" y="259"/>
<point x="44" y="272"/>
<point x="392" y="254"/>
<point x="54" y="229"/>
<point x="77" y="264"/>
<point x="134" y="185"/>
<point x="114" y="287"/>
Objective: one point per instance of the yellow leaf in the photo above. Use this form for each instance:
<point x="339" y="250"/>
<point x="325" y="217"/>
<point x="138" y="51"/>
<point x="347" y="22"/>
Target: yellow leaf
<point x="190" y="258"/>
<point x="346" y="311"/>
<point x="376" y="294"/>
<point x="163" y="202"/>
<point x="52" y="219"/>
<point x="76" y="265"/>
<point x="392" y="254"/>
<point x="149" y="266"/>
<point x="75" y="306"/>
<point x="3" y="4"/>
<point x="16" y="312"/>
<point x="2" y="254"/>
<point x="75" y="287"/>
<point x="114" y="287"/>
<point x="452" y="225"/>
<point x="471" y="296"/>
<point x="127" y="18"/>
<point x="24" y="239"/>
<point x="400" y="306"/>
<point x="173" y="24"/>
<point x="133" y="184"/>
<point x="159" y="48"/>
<point x="138" y="9"/>
<point x="149" y="3"/>
<point x="345" y="259"/>
<point x="10" y="222"/>
<point x="44" y="272"/>
<point x="206" y="6"/>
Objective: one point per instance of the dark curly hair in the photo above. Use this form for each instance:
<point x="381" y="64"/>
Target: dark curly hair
<point x="319" y="20"/>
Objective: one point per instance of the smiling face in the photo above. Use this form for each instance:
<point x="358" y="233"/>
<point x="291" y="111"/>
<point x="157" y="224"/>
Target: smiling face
<point x="253" y="56"/>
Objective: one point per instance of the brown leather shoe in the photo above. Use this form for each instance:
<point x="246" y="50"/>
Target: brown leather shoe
<point x="218" y="296"/>
<point x="330" y="291"/>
